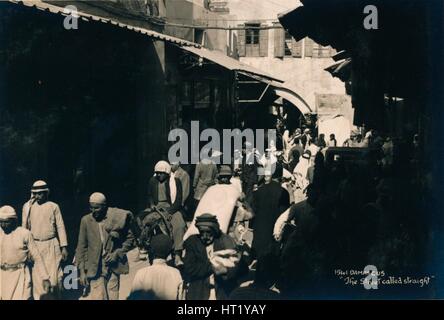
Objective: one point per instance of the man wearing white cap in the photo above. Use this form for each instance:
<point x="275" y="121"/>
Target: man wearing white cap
<point x="16" y="247"/>
<point x="44" y="219"/>
<point x="105" y="238"/>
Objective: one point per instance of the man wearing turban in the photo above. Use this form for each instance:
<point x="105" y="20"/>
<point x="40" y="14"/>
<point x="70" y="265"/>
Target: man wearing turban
<point x="211" y="262"/>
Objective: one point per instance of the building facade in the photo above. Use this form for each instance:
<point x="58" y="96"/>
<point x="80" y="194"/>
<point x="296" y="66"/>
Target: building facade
<point x="198" y="21"/>
<point x="100" y="99"/>
<point x="263" y="43"/>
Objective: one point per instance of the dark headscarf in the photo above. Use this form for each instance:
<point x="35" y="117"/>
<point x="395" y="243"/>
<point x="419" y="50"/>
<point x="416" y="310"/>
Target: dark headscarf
<point x="208" y="220"/>
<point x="161" y="246"/>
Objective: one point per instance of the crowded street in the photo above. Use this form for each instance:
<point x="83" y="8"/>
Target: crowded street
<point x="219" y="150"/>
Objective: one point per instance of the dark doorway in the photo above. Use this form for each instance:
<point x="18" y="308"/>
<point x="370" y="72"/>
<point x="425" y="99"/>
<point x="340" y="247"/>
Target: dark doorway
<point x="69" y="105"/>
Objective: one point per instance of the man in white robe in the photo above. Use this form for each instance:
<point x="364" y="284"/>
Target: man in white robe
<point x="16" y="247"/>
<point x="44" y="219"/>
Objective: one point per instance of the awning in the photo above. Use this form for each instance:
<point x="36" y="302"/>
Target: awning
<point x="273" y="83"/>
<point x="43" y="6"/>
<point x="341" y="55"/>
<point x="284" y="91"/>
<point x="299" y="16"/>
<point x="341" y="69"/>
<point x="228" y="62"/>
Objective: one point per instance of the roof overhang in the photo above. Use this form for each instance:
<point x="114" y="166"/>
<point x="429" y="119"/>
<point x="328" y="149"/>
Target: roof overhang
<point x="284" y="91"/>
<point x="51" y="8"/>
<point x="341" y="69"/>
<point x="228" y="62"/>
<point x="341" y="55"/>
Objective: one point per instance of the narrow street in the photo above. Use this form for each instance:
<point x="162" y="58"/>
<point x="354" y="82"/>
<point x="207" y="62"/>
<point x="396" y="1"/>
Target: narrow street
<point x="276" y="149"/>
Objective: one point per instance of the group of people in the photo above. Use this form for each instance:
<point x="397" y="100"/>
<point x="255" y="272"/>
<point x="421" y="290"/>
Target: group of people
<point x="365" y="211"/>
<point x="231" y="232"/>
<point x="32" y="252"/>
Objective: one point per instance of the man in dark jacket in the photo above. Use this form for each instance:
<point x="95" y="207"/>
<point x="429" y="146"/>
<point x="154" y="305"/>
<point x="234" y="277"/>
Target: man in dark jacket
<point x="269" y="201"/>
<point x="303" y="252"/>
<point x="210" y="275"/>
<point x="104" y="240"/>
<point x="249" y="171"/>
<point x="165" y="192"/>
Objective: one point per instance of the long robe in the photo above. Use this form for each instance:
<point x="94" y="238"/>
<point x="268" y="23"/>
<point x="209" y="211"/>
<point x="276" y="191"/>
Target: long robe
<point x="204" y="177"/>
<point x="269" y="201"/>
<point x="48" y="230"/>
<point x="184" y="178"/>
<point x="199" y="273"/>
<point x="219" y="200"/>
<point x="14" y="250"/>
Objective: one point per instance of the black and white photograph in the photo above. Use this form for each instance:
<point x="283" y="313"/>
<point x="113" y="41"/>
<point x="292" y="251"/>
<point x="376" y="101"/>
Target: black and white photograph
<point x="221" y="150"/>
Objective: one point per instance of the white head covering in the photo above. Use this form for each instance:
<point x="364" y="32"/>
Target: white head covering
<point x="98" y="198"/>
<point x="7" y="212"/>
<point x="162" y="166"/>
<point x="39" y="186"/>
